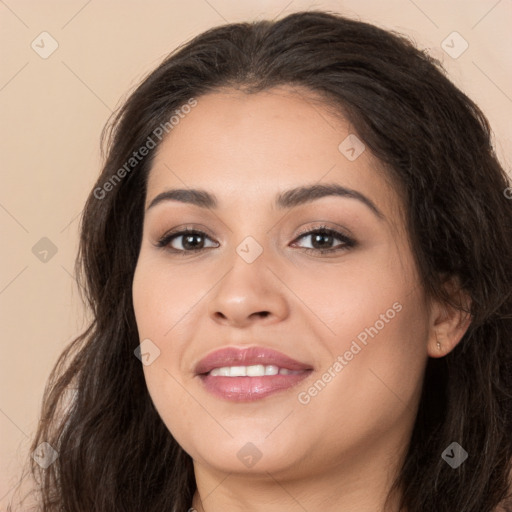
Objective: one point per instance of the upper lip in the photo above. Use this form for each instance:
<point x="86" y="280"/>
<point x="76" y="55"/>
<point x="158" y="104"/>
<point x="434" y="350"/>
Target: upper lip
<point x="234" y="356"/>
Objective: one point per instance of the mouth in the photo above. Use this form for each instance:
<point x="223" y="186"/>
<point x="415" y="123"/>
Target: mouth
<point x="245" y="375"/>
<point x="255" y="370"/>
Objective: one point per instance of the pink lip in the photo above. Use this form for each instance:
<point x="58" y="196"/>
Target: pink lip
<point x="246" y="389"/>
<point x="232" y="356"/>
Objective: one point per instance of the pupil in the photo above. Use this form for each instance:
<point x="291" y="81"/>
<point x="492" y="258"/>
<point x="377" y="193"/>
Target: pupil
<point x="320" y="236"/>
<point x="189" y="241"/>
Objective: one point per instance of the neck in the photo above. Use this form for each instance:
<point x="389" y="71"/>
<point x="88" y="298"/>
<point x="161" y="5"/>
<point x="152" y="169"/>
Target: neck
<point x="362" y="482"/>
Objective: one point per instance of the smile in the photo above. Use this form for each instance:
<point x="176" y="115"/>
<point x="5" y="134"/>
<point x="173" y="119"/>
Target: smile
<point x="256" y="370"/>
<point x="248" y="374"/>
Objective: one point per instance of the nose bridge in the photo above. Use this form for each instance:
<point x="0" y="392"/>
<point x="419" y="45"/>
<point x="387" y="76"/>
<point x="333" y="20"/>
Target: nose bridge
<point x="250" y="289"/>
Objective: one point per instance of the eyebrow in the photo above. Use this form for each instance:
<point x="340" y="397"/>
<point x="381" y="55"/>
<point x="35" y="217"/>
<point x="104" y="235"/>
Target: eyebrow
<point x="288" y="199"/>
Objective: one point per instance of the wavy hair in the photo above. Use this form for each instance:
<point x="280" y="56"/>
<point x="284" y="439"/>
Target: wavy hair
<point x="115" y="452"/>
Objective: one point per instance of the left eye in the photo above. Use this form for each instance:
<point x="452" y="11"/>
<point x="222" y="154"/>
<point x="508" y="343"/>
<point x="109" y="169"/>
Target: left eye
<point x="322" y="238"/>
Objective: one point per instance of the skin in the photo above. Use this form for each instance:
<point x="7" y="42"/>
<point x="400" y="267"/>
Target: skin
<point x="340" y="451"/>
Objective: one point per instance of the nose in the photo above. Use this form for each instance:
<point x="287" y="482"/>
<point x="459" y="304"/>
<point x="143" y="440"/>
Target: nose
<point x="249" y="293"/>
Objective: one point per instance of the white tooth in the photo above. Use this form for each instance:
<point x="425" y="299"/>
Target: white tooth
<point x="238" y="371"/>
<point x="256" y="370"/>
<point x="271" y="369"/>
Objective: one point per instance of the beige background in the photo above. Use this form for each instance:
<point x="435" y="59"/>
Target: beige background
<point x="52" y="113"/>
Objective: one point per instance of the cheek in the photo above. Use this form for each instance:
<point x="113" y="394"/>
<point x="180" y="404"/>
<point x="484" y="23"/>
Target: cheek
<point x="383" y="353"/>
<point x="378" y="324"/>
<point x="372" y="385"/>
<point x="163" y="297"/>
<point x="161" y="315"/>
<point x="349" y="297"/>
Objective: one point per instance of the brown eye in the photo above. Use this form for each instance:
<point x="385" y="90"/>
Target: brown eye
<point x="187" y="241"/>
<point x="322" y="240"/>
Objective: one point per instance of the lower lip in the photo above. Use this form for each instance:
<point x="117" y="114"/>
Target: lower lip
<point x="249" y="389"/>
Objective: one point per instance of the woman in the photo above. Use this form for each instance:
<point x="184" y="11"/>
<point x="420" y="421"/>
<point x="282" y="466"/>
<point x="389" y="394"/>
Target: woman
<point x="298" y="258"/>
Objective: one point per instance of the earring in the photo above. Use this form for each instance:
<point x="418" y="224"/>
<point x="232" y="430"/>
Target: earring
<point x="438" y="346"/>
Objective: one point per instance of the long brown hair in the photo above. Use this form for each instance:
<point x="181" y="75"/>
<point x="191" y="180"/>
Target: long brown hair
<point x="115" y="453"/>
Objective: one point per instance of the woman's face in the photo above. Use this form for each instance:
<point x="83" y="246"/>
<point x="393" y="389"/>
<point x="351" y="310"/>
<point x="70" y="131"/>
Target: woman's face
<point x="353" y="320"/>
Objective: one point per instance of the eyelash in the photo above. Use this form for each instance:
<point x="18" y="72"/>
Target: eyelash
<point x="348" y="243"/>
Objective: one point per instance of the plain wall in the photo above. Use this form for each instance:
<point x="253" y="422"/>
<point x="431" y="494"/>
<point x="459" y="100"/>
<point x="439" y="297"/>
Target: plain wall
<point x="52" y="111"/>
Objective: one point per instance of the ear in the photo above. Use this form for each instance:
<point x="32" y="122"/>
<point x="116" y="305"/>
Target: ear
<point x="448" y="323"/>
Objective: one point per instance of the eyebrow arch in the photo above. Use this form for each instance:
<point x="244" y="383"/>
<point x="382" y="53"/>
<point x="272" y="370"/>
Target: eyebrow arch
<point x="288" y="199"/>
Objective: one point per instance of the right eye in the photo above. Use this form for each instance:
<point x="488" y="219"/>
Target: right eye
<point x="192" y="240"/>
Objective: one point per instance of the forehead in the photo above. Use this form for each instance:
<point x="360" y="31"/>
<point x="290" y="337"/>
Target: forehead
<point x="248" y="147"/>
